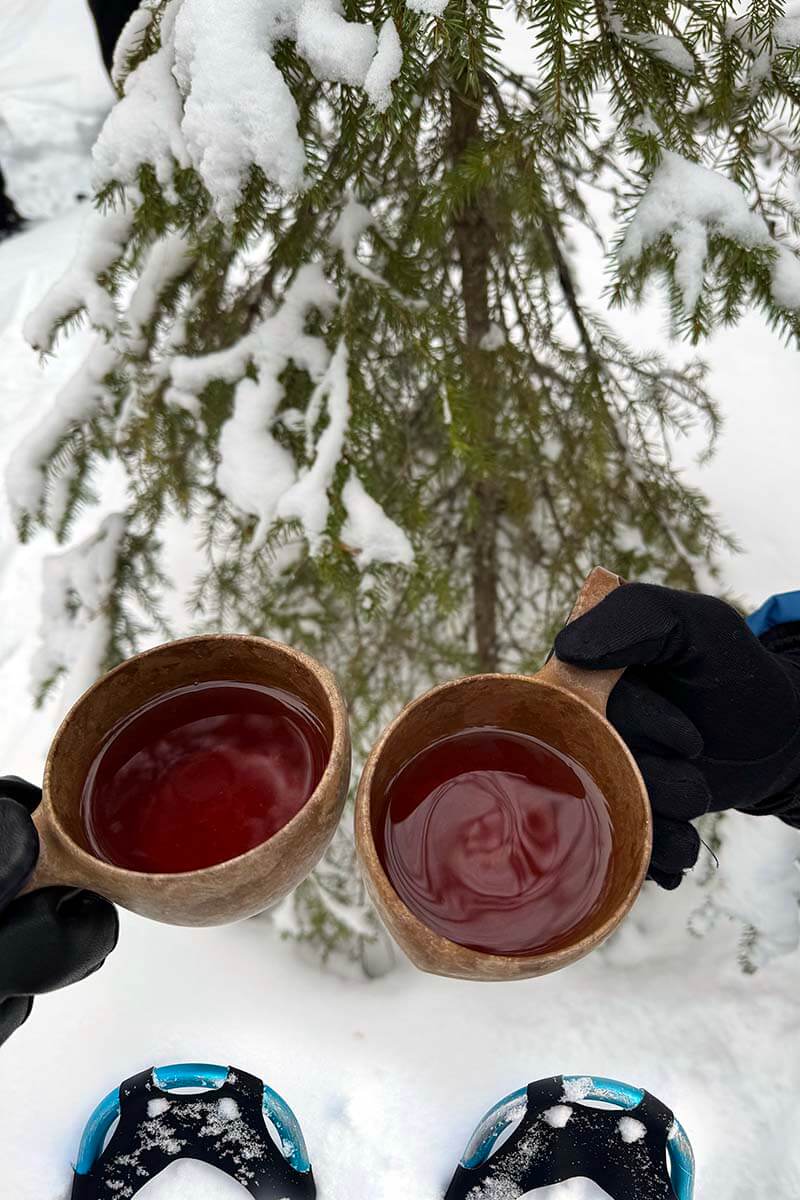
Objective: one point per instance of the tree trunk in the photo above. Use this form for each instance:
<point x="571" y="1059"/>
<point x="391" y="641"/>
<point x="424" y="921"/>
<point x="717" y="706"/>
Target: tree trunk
<point x="472" y="238"/>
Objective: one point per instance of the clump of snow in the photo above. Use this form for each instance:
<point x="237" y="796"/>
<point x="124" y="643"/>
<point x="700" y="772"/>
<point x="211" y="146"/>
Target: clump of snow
<point x="669" y="49"/>
<point x="157" y="1107"/>
<point x="251" y="121"/>
<point x="131" y="37"/>
<point x="254" y="470"/>
<point x="173" y="109"/>
<point x="145" y="125"/>
<point x="630" y="1129"/>
<point x="75" y="626"/>
<point x="785" y="36"/>
<point x="352" y="223"/>
<point x="334" y="48"/>
<point x="101" y="244"/>
<point x="307" y="500"/>
<point x="686" y="202"/>
<point x="228" y="1109"/>
<point x="577" y="1089"/>
<point x="433" y="8"/>
<point x="786" y="279"/>
<point x="385" y="67"/>
<point x="558" y="1116"/>
<point x="167" y="259"/>
<point x="494" y="337"/>
<point x="613" y="18"/>
<point x="368" y="529"/>
<point x="77" y="401"/>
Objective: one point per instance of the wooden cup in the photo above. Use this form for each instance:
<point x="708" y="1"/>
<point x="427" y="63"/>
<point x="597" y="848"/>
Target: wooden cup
<point x="564" y="707"/>
<point x="228" y="891"/>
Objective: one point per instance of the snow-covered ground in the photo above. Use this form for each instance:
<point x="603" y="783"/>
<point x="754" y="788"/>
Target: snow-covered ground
<point x="388" y="1077"/>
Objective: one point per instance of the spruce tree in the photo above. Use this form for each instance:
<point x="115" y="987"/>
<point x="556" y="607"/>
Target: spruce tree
<point x="340" y="326"/>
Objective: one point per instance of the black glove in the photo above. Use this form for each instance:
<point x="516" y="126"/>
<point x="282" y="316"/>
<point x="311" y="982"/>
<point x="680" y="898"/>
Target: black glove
<point x="710" y="713"/>
<point x="48" y="938"/>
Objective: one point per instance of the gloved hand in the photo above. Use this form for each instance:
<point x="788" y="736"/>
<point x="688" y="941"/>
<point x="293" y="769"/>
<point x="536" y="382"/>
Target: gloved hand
<point x="711" y="715"/>
<point x="48" y="938"/>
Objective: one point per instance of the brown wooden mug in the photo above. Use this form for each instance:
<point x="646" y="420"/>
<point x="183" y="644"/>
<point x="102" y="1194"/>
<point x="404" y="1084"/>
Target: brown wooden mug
<point x="228" y="891"/>
<point x="562" y="706"/>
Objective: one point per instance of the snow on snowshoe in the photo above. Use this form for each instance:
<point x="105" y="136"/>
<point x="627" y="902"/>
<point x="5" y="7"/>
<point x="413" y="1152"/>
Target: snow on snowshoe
<point x="227" y="1126"/>
<point x="548" y="1133"/>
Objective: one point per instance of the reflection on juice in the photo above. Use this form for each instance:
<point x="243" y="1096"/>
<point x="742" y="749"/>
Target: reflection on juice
<point x="200" y="775"/>
<point x="497" y="841"/>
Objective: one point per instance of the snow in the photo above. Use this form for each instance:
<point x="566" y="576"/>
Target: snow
<point x="157" y="1107"/>
<point x="74" y="631"/>
<point x="368" y="529"/>
<point x="494" y="338"/>
<point x="352" y="223"/>
<point x="131" y="38"/>
<point x="385" y="67"/>
<point x="630" y="1129"/>
<point x="389" y="1076"/>
<point x="669" y="49"/>
<point x="577" y="1089"/>
<point x="173" y="110"/>
<point x="434" y="8"/>
<point x="167" y="259"/>
<point x="228" y="1109"/>
<point x="101" y="244"/>
<point x="77" y="401"/>
<point x="255" y="472"/>
<point x="686" y="202"/>
<point x="307" y="500"/>
<point x="50" y="107"/>
<point x="558" y="1116"/>
<point x="188" y="1180"/>
<point x="333" y="47"/>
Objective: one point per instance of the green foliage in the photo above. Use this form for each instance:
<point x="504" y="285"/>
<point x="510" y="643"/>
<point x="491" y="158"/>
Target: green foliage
<point x="514" y="468"/>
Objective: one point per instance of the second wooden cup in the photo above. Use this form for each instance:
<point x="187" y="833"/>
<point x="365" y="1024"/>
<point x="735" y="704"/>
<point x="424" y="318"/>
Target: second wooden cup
<point x="563" y="707"/>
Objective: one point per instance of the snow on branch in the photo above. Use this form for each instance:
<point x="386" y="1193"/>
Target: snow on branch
<point x="173" y="109"/>
<point x="687" y="203"/>
<point x="166" y="260"/>
<point x="669" y="50"/>
<point x="254" y="469"/>
<point x="76" y="629"/>
<point x="385" y="67"/>
<point x="145" y="125"/>
<point x="352" y="223"/>
<point x="368" y="529"/>
<point x="102" y="243"/>
<point x="75" y="404"/>
<point x="307" y="500"/>
<point x="784" y="37"/>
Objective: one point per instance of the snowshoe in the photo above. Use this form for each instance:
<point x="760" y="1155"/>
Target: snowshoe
<point x="225" y="1125"/>
<point x="641" y="1153"/>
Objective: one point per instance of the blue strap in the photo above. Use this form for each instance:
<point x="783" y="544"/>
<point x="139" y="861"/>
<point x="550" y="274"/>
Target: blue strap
<point x="778" y="610"/>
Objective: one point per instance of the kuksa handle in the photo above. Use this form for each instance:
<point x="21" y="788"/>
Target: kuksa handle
<point x="592" y="686"/>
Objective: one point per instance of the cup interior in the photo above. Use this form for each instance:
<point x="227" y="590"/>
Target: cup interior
<point x="524" y="704"/>
<point x="149" y="675"/>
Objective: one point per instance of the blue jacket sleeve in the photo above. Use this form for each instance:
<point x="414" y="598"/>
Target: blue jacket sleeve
<point x="778" y="610"/>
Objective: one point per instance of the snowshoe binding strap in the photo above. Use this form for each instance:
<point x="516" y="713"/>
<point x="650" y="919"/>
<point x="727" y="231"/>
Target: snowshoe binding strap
<point x="225" y="1126"/>
<point x="559" y="1137"/>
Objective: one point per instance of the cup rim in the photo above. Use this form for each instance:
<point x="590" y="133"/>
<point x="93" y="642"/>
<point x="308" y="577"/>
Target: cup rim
<point x="466" y="956"/>
<point x="338" y="748"/>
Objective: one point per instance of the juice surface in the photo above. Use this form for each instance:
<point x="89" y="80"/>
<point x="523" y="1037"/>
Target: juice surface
<point x="497" y="841"/>
<point x="200" y="775"/>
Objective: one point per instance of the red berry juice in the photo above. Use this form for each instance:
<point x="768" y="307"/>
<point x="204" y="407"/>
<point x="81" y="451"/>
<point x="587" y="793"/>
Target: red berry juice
<point x="200" y="775"/>
<point x="497" y="841"/>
